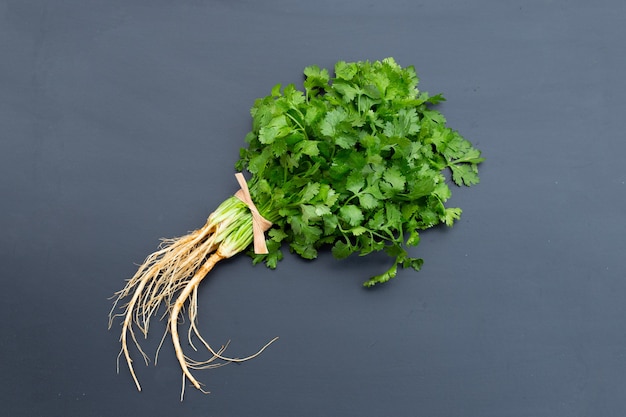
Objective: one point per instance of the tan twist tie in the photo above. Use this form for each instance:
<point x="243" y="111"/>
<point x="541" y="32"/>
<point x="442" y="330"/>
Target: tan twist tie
<point x="259" y="223"/>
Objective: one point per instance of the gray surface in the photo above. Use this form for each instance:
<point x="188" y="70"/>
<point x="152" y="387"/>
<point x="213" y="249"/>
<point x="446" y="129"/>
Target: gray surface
<point x="121" y="122"/>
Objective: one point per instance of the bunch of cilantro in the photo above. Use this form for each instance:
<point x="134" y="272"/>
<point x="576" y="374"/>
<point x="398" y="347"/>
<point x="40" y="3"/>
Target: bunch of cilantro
<point x="355" y="163"/>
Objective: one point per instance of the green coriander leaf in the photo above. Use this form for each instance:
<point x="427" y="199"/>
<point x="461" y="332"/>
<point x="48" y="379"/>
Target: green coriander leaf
<point x="308" y="213"/>
<point x="395" y="178"/>
<point x="322" y="210"/>
<point x="358" y="231"/>
<point x="406" y="123"/>
<point x="305" y="233"/>
<point x="368" y="201"/>
<point x="279" y="147"/>
<point x="396" y="251"/>
<point x="277" y="127"/>
<point x="272" y="258"/>
<point x="331" y="123"/>
<point x="414" y="238"/>
<point x="434" y="116"/>
<point x="450" y="215"/>
<point x="415" y="263"/>
<point x="316" y="80"/>
<point x="442" y="191"/>
<point x="464" y="174"/>
<point x="420" y="187"/>
<point x="377" y="221"/>
<point x="310" y="191"/>
<point x="373" y="187"/>
<point x="355" y="182"/>
<point x="307" y="147"/>
<point x="346" y="91"/>
<point x="351" y="214"/>
<point x="436" y="99"/>
<point x="382" y="278"/>
<point x="258" y="162"/>
<point x="345" y="71"/>
<point x="304" y="250"/>
<point x="276" y="90"/>
<point x="393" y="215"/>
<point x="331" y="224"/>
<point x="277" y="235"/>
<point x="293" y="96"/>
<point x="327" y="195"/>
<point x="342" y="250"/>
<point x="428" y="217"/>
<point x="345" y="141"/>
<point x="314" y="111"/>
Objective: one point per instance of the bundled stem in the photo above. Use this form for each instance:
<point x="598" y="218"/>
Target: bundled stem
<point x="170" y="277"/>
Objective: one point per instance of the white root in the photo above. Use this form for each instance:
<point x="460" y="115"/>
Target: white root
<point x="189" y="292"/>
<point x="170" y="277"/>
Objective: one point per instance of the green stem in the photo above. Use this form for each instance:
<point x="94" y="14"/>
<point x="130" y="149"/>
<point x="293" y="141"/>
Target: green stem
<point x="233" y="223"/>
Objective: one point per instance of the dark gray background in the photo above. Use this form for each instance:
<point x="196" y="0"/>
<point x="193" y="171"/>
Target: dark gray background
<point x="120" y="122"/>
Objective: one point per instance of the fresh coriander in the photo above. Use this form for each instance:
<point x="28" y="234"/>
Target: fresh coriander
<point x="353" y="162"/>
